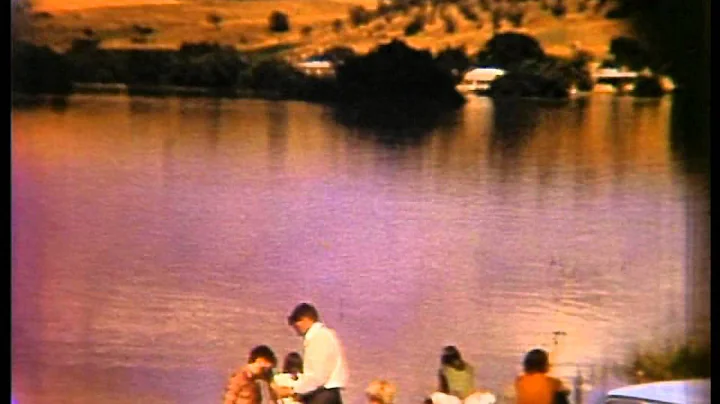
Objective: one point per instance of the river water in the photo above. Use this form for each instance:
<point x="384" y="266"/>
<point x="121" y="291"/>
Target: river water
<point x="155" y="241"/>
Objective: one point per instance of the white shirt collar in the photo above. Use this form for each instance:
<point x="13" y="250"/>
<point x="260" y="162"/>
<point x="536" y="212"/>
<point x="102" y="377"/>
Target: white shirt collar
<point x="313" y="330"/>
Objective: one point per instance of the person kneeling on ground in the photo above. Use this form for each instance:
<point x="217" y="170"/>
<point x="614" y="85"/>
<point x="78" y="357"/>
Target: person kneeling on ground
<point x="250" y="383"/>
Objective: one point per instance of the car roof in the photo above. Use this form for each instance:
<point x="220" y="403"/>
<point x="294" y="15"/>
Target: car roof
<point x="695" y="391"/>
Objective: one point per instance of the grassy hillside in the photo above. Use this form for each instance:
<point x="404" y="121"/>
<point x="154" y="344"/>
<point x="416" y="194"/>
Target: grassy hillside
<point x="244" y="24"/>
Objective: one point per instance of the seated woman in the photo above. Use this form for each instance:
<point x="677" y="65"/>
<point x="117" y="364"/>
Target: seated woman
<point x="292" y="369"/>
<point x="535" y="386"/>
<point x="456" y="377"/>
<point x="479" y="397"/>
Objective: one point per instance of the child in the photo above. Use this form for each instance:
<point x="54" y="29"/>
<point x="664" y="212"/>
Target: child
<point x="380" y="392"/>
<point x="292" y="369"/>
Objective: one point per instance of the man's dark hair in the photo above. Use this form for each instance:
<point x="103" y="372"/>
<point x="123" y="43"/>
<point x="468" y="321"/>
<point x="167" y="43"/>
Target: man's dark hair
<point x="536" y="361"/>
<point x="303" y="310"/>
<point x="262" y="351"/>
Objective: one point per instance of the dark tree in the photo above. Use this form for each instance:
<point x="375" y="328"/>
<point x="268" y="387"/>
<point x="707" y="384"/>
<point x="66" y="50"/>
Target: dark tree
<point x="359" y="16"/>
<point x="450" y="25"/>
<point x="397" y="72"/>
<point x="279" y="22"/>
<point x="215" y="19"/>
<point x="629" y="52"/>
<point x="509" y="50"/>
<point x="39" y="70"/>
<point x="454" y="61"/>
<point x="142" y="33"/>
<point x="415" y="26"/>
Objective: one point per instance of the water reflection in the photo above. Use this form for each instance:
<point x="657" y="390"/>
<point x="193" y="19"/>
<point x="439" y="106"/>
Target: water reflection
<point x="144" y="250"/>
<point x="514" y="124"/>
<point x="690" y="140"/>
<point x="392" y="125"/>
<point x="277" y="133"/>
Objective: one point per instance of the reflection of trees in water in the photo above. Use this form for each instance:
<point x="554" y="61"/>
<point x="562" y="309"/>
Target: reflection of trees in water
<point x="689" y="142"/>
<point x="689" y="135"/>
<point x="392" y="124"/>
<point x="214" y="122"/>
<point x="277" y="132"/>
<point x="208" y="112"/>
<point x="623" y="145"/>
<point x="685" y="50"/>
<point x="514" y="123"/>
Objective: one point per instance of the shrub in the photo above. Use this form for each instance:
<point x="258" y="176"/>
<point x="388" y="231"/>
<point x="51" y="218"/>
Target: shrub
<point x="84" y="45"/>
<point x="497" y="17"/>
<point x="454" y="61"/>
<point x="338" y="54"/>
<point x="684" y="361"/>
<point x="450" y="25"/>
<point x="629" y="52"/>
<point x="383" y="9"/>
<point x="401" y="6"/>
<point x="141" y="33"/>
<point x="149" y="67"/>
<point x="215" y="19"/>
<point x="42" y="15"/>
<point x="648" y="86"/>
<point x="337" y="25"/>
<point x="514" y="85"/>
<point x="306" y="30"/>
<point x="618" y="12"/>
<point x="515" y="15"/>
<point x="191" y="49"/>
<point x="359" y="16"/>
<point x="582" y="6"/>
<point x="279" y="22"/>
<point x="468" y="12"/>
<point x="559" y="10"/>
<point x="396" y="71"/>
<point x="415" y="26"/>
<point x="509" y="50"/>
<point x="50" y="72"/>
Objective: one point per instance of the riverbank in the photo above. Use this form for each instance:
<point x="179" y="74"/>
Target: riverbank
<point x="394" y="71"/>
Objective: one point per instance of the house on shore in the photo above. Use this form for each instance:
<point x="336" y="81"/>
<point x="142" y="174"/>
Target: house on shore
<point x="478" y="79"/>
<point x="318" y="67"/>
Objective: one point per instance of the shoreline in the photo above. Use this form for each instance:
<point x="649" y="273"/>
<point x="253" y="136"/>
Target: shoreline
<point x="208" y="92"/>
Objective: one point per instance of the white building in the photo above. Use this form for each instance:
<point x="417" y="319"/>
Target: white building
<point x="479" y="79"/>
<point x="321" y="68"/>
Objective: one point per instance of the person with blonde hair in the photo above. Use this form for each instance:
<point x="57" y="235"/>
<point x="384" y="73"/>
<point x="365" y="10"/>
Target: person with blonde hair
<point x="380" y="392"/>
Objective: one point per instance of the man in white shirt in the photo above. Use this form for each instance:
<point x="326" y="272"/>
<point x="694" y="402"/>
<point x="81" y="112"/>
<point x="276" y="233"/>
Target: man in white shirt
<point x="324" y="369"/>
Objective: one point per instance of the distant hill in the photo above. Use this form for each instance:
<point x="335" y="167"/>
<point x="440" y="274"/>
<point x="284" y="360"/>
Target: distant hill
<point x="313" y="26"/>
